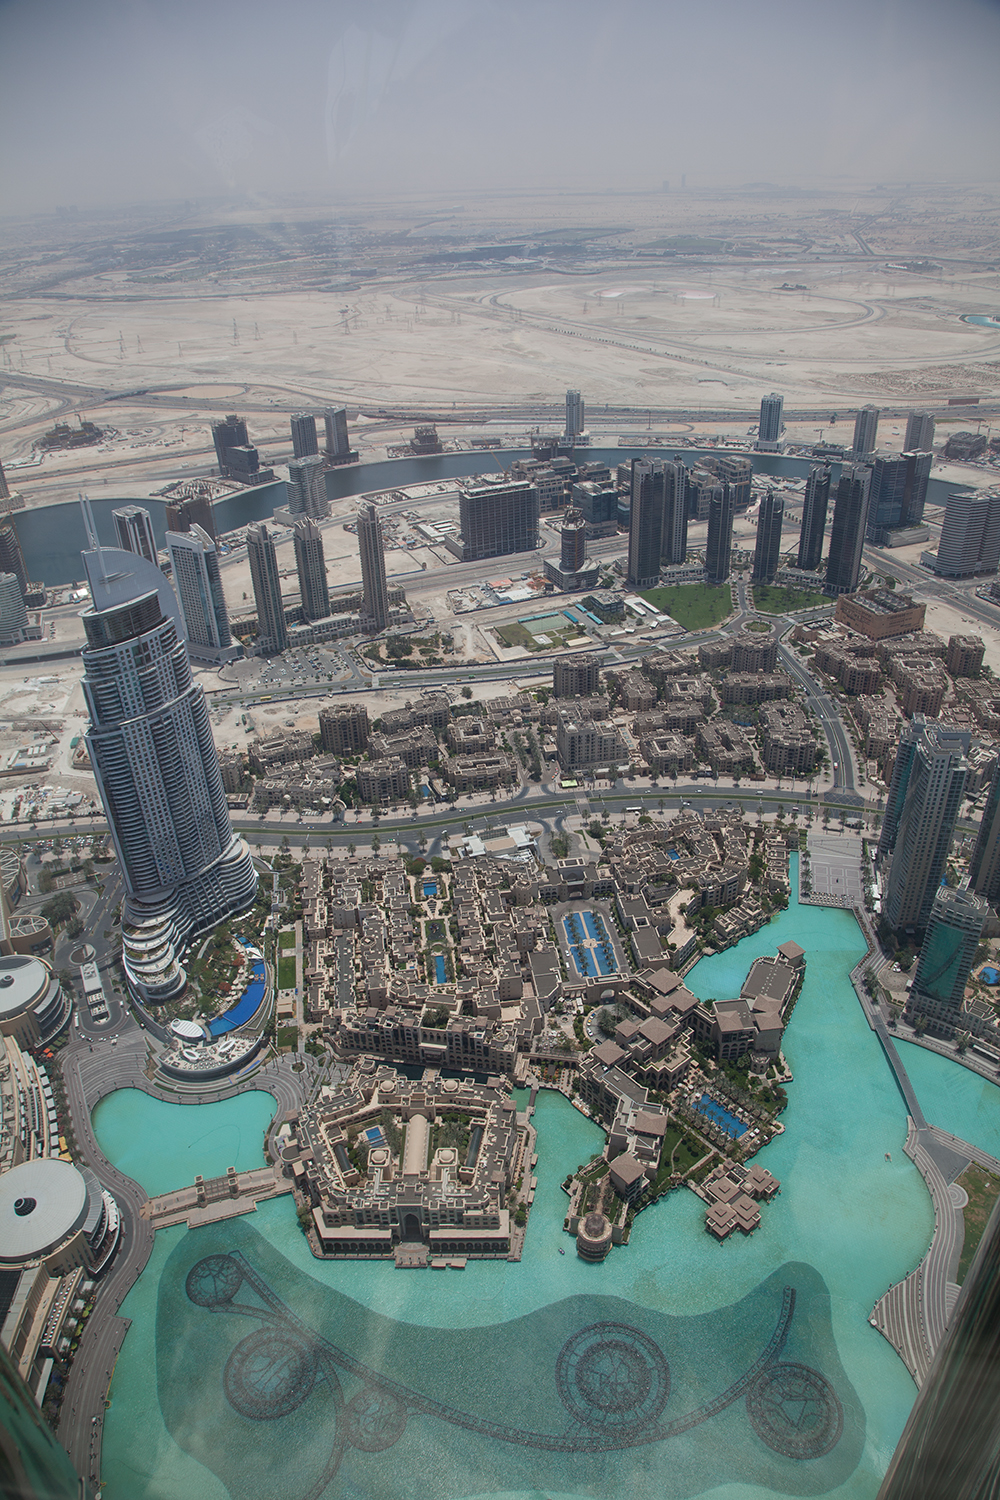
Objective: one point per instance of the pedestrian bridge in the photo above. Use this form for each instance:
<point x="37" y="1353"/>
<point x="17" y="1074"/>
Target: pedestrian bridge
<point x="210" y="1199"/>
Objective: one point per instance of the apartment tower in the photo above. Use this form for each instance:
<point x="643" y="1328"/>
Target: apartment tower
<point x="311" y="567"/>
<point x="375" y="589"/>
<point x="198" y="585"/>
<point x="817" y="500"/>
<point x="134" y="531"/>
<point x="719" y="547"/>
<point x="767" y="550"/>
<point x="847" y="534"/>
<point x="304" y="440"/>
<point x="272" y="632"/>
<point x="865" y="431"/>
<point x="925" y="797"/>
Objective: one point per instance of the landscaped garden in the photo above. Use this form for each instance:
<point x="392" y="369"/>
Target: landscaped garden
<point x="772" y="600"/>
<point x="696" y="606"/>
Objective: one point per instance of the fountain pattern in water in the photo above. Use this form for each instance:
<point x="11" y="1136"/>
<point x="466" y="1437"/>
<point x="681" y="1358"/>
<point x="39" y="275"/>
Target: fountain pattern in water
<point x="280" y="1385"/>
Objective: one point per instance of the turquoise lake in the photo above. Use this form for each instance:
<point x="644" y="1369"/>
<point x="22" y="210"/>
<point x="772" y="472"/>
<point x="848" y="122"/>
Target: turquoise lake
<point x="846" y="1224"/>
<point x="165" y="1146"/>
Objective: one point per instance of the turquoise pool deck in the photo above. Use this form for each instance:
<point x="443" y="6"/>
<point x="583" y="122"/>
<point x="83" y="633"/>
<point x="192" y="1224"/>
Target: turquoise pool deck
<point x="847" y="1223"/>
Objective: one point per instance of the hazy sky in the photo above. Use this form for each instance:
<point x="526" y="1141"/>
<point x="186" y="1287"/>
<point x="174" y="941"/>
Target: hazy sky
<point x="107" y="101"/>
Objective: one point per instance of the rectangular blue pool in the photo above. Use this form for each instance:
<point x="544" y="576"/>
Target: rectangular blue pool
<point x="595" y="962"/>
<point x="733" y="1127"/>
<point x="430" y="888"/>
<point x="440" y="972"/>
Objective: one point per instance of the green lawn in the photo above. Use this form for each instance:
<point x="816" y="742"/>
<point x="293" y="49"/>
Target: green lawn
<point x="515" y="634"/>
<point x="286" y="972"/>
<point x="693" y="605"/>
<point x="983" y="1190"/>
<point x="286" y="939"/>
<point x="771" y="600"/>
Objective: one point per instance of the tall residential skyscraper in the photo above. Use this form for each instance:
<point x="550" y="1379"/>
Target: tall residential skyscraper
<point x="645" y="527"/>
<point x="11" y="556"/>
<point x="970" y="536"/>
<point x="769" y="431"/>
<point x="13" y="615"/>
<point x="134" y="530"/>
<point x="304" y="440"/>
<point x="157" y="771"/>
<point x="674" y="531"/>
<point x="573" y="538"/>
<point x="919" y="433"/>
<point x="497" y="517"/>
<point x="575" y="423"/>
<point x="4" y="489"/>
<point x="984" y="867"/>
<point x="865" y="431"/>
<point x="375" y="589"/>
<point x="925" y="797"/>
<point x="229" y="433"/>
<point x="817" y="498"/>
<point x="311" y="566"/>
<point x="719" y="547"/>
<point x="768" y="545"/>
<point x="338" y="442"/>
<point x="897" y="493"/>
<point x="947" y="954"/>
<point x="847" y="534"/>
<point x="271" y="627"/>
<point x="198" y="586"/>
<point x="306" y="487"/>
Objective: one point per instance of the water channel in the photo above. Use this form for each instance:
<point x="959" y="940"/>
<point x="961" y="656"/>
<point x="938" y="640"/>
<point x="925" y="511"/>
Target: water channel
<point x="212" y="1361"/>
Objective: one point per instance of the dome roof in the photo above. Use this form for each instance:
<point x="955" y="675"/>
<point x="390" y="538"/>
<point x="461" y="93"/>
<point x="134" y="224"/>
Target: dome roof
<point x="41" y="1203"/>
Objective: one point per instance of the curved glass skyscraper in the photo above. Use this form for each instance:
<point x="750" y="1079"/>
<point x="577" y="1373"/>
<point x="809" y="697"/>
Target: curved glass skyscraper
<point x="157" y="770"/>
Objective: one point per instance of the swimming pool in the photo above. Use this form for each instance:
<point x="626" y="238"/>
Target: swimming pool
<point x="726" y="1121"/>
<point x="590" y="962"/>
<point x="440" y="971"/>
<point x="430" y="888"/>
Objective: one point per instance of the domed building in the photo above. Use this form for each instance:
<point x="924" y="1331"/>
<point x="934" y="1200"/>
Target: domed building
<point x="33" y="1007"/>
<point x="57" y="1214"/>
<point x="593" y="1237"/>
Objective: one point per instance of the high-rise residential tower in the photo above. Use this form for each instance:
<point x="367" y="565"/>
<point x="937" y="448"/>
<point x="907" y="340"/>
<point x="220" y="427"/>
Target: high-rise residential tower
<point x="271" y="628"/>
<point x="311" y="567"/>
<point x="304" y="440"/>
<point x="196" y="510"/>
<point x="865" y="431"/>
<point x="925" y="797"/>
<point x="674" y="530"/>
<point x="198" y="585"/>
<point x="645" y="529"/>
<point x="11" y="556"/>
<point x="984" y="867"/>
<point x="919" y="433"/>
<point x="338" y="442"/>
<point x="897" y="493"/>
<point x="947" y="954"/>
<point x="769" y="430"/>
<point x="375" y="589"/>
<point x="719" y="547"/>
<point x="154" y="759"/>
<point x="231" y="432"/>
<point x="847" y="534"/>
<point x="767" y="550"/>
<point x="4" y="488"/>
<point x="134" y="530"/>
<point x="306" y="487"/>
<point x="970" y="536"/>
<point x="497" y="518"/>
<point x="817" y="499"/>
<point x="573" y="540"/>
<point x="13" y="615"/>
<point x="575" y="423"/>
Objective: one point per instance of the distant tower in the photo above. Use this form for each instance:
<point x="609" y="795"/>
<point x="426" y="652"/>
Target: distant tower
<point x="575" y="423"/>
<point x="157" y="770"/>
<point x="4" y="491"/>
<point x="375" y="590"/>
<point x="198" y="586"/>
<point x="574" y="540"/>
<point x="11" y="556"/>
<point x="304" y="439"/>
<point x="674" y="530"/>
<point x="134" y="530"/>
<point x="817" y="498"/>
<point x="865" y="431"/>
<point x="271" y="626"/>
<point x="925" y="797"/>
<point x="768" y="546"/>
<point x="847" y="534"/>
<point x="13" y="615"/>
<point x="312" y="569"/>
<point x="307" y="488"/>
<point x="770" y="427"/>
<point x="919" y="433"/>
<point x="898" y="492"/>
<point x="230" y="433"/>
<point x="338" y="442"/>
<point x="984" y="867"/>
<point x="719" y="547"/>
<point x="645" y="529"/>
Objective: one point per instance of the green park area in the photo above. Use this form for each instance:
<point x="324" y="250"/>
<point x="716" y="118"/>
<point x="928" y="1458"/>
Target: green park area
<point x="696" y="606"/>
<point x="983" y="1190"/>
<point x="772" y="600"/>
<point x="557" y="633"/>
